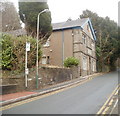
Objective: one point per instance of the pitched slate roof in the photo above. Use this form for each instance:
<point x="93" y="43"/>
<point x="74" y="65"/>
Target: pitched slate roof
<point x="73" y="24"/>
<point x="69" y="24"/>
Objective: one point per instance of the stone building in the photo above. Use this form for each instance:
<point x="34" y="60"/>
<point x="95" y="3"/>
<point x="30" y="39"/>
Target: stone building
<point x="75" y="38"/>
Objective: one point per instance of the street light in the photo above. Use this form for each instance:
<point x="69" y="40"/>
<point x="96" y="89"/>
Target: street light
<point x="38" y="20"/>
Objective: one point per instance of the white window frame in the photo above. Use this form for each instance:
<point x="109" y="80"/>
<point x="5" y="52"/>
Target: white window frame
<point x="44" y="60"/>
<point x="84" y="63"/>
<point x="93" y="65"/>
<point x="84" y="38"/>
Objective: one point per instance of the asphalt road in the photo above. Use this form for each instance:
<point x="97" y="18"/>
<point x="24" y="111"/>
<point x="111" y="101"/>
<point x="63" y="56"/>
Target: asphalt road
<point x="87" y="98"/>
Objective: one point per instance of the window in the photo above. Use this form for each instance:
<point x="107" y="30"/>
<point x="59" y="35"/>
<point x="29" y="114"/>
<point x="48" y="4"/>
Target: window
<point x="84" y="38"/>
<point x="93" y="66"/>
<point x="46" y="60"/>
<point x="88" y="28"/>
<point x="84" y="63"/>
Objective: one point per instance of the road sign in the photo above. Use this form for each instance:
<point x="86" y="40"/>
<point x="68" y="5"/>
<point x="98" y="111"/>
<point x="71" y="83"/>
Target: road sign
<point x="27" y="46"/>
<point x="26" y="71"/>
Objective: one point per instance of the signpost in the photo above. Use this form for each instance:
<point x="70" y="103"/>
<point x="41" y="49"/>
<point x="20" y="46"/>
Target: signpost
<point x="27" y="46"/>
<point x="26" y="69"/>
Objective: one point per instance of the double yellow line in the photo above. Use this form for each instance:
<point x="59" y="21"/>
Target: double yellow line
<point x="105" y="108"/>
<point x="45" y="95"/>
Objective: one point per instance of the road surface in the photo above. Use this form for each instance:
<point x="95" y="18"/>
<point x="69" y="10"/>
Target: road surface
<point x="86" y="98"/>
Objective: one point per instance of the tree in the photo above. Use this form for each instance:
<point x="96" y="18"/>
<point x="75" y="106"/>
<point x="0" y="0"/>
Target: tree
<point x="28" y="13"/>
<point x="10" y="18"/>
<point x="107" y="44"/>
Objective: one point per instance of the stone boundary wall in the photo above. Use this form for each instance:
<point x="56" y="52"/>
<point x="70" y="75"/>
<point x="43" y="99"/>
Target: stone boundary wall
<point x="47" y="77"/>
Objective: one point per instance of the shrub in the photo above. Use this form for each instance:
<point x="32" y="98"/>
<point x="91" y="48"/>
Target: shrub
<point x="13" y="52"/>
<point x="71" y="61"/>
<point x="6" y="44"/>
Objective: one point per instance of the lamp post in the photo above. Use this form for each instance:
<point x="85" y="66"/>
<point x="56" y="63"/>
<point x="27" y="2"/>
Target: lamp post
<point x="38" y="21"/>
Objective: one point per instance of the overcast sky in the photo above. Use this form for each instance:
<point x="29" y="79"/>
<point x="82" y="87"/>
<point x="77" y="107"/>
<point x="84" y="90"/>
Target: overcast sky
<point x="61" y="10"/>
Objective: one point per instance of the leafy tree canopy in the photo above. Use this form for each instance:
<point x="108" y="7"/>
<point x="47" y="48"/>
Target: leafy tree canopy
<point x="10" y="19"/>
<point x="28" y="14"/>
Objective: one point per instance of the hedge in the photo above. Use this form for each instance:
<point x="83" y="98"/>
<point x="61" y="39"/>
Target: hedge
<point x="13" y="52"/>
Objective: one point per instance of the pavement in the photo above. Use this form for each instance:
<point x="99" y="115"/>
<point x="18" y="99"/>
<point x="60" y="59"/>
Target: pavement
<point x="14" y="97"/>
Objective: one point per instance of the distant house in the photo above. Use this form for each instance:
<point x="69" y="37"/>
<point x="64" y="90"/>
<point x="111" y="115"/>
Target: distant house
<point x="74" y="38"/>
